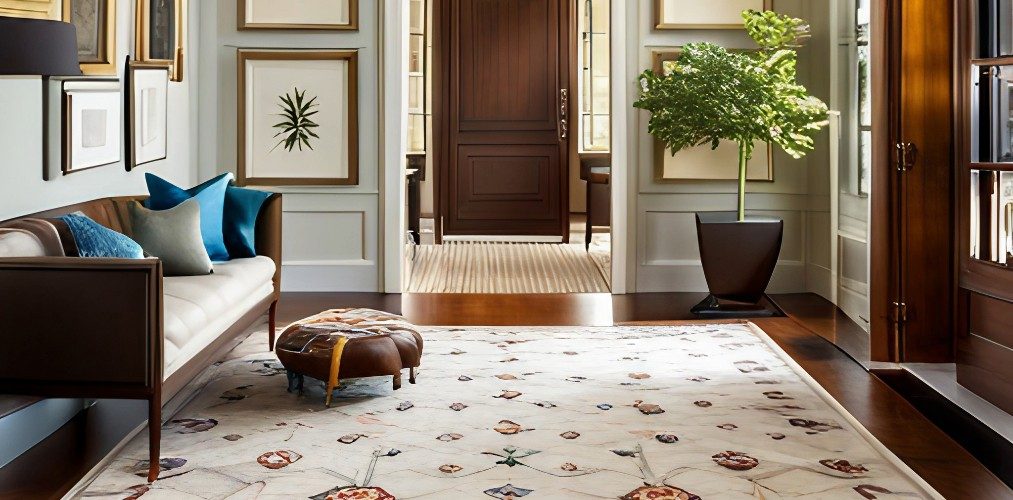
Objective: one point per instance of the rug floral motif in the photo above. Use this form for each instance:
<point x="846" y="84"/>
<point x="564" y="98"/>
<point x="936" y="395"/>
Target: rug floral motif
<point x="651" y="412"/>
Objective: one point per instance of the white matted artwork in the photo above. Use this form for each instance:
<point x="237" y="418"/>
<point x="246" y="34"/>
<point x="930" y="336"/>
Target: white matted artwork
<point x="92" y="114"/>
<point x="148" y="129"/>
<point x="298" y="118"/>
<point x="299" y="14"/>
<point x="702" y="162"/>
<point x="704" y="14"/>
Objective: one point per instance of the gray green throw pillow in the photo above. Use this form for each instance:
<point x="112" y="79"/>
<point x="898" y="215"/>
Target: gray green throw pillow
<point x="174" y="236"/>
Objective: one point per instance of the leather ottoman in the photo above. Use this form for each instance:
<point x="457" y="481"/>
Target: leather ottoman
<point x="349" y="343"/>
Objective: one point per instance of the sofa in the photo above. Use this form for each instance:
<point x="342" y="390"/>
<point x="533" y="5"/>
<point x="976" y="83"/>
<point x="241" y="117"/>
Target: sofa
<point x="117" y="328"/>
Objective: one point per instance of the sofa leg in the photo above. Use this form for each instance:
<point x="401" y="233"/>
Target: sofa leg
<point x="271" y="324"/>
<point x="411" y="375"/>
<point x="154" y="437"/>
<point x="397" y="381"/>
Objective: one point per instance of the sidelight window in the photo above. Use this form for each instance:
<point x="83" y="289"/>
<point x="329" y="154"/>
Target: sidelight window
<point x="593" y="61"/>
<point x="990" y="211"/>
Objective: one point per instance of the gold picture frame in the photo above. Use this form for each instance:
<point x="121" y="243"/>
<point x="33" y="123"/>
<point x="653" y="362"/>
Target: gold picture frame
<point x="173" y="43"/>
<point x="33" y="9"/>
<point x="661" y="22"/>
<point x="104" y="60"/>
<point x="347" y="126"/>
<point x="243" y="23"/>
<point x="663" y="159"/>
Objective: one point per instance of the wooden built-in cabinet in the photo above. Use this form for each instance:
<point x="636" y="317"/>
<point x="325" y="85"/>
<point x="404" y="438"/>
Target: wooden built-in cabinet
<point x="984" y="194"/>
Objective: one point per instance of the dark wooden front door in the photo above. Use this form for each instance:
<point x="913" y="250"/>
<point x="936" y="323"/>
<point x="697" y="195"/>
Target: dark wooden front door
<point x="502" y="124"/>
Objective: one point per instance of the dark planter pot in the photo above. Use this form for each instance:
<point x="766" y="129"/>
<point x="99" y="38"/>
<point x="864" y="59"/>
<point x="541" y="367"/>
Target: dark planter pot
<point x="738" y="257"/>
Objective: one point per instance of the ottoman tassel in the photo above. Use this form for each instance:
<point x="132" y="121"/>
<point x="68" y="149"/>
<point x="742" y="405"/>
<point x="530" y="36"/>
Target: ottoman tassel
<point x="332" y="380"/>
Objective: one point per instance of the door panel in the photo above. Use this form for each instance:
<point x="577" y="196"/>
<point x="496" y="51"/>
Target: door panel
<point x="506" y="66"/>
<point x="507" y="183"/>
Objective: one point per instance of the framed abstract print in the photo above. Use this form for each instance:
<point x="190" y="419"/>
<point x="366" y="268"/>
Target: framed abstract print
<point x="161" y="34"/>
<point x="298" y="14"/>
<point x="34" y="9"/>
<point x="702" y="162"/>
<point x="147" y="120"/>
<point x="298" y="118"/>
<point x="91" y="135"/>
<point x="704" y="14"/>
<point x="95" y="21"/>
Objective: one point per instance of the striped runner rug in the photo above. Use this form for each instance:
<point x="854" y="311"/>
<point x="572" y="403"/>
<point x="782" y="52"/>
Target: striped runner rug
<point x="499" y="267"/>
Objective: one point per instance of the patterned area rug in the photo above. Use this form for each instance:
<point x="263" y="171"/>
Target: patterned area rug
<point x="686" y="412"/>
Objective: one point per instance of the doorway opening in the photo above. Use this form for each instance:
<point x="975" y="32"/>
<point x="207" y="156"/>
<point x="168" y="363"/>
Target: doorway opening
<point x="509" y="132"/>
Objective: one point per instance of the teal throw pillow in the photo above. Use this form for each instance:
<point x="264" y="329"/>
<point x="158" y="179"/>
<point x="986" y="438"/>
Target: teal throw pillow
<point x="210" y="195"/>
<point x="95" y="240"/>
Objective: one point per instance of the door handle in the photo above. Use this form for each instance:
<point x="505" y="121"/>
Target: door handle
<point x="564" y="112"/>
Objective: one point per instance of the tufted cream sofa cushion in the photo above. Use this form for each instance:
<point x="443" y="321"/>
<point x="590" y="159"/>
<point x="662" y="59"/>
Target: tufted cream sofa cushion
<point x="199" y="308"/>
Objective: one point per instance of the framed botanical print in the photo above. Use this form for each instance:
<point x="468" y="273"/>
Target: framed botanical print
<point x="298" y="14"/>
<point x="147" y="120"/>
<point x="704" y="14"/>
<point x="91" y="112"/>
<point x="702" y="162"/>
<point x="161" y="34"/>
<point x="34" y="9"/>
<point x="298" y="117"/>
<point x="95" y="21"/>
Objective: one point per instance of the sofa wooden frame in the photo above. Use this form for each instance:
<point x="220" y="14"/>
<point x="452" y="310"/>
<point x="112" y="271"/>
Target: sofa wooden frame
<point x="93" y="328"/>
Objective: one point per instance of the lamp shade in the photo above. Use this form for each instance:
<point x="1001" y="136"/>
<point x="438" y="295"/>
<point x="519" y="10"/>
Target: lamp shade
<point x="38" y="47"/>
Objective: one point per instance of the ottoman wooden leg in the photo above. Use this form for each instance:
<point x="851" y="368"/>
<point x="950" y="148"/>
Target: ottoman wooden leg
<point x="397" y="381"/>
<point x="411" y="375"/>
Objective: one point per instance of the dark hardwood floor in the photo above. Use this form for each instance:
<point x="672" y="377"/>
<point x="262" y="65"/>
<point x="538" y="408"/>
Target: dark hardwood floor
<point x="48" y="470"/>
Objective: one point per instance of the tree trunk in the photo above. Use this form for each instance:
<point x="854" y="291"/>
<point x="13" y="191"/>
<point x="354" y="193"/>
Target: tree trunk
<point x="742" y="181"/>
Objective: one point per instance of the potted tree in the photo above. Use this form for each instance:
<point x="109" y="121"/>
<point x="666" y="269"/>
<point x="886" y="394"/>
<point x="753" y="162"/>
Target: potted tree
<point x="713" y="94"/>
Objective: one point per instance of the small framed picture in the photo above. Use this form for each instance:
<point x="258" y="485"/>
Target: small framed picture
<point x="33" y="9"/>
<point x="95" y="21"/>
<point x="92" y="114"/>
<point x="161" y="33"/>
<point x="147" y="120"/>
<point x="701" y="162"/>
<point x="704" y="14"/>
<point x="297" y="118"/>
<point x="298" y="14"/>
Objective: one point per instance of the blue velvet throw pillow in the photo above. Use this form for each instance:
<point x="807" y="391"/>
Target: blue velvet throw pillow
<point x="95" y="240"/>
<point x="242" y="206"/>
<point x="210" y="196"/>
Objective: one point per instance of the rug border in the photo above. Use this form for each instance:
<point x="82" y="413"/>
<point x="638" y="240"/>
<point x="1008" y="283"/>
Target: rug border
<point x="834" y="404"/>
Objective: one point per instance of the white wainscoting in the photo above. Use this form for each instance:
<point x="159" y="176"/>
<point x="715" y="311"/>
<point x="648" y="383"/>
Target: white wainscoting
<point x="330" y="242"/>
<point x="668" y="256"/>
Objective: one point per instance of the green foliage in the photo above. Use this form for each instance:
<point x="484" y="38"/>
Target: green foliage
<point x="297" y="127"/>
<point x="712" y="94"/>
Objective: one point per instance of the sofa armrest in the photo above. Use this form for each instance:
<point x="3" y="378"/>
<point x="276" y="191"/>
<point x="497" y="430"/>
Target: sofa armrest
<point x="72" y="324"/>
<point x="268" y="234"/>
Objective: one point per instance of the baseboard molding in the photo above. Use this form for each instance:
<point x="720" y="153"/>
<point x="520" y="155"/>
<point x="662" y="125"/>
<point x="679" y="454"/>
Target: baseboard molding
<point x="324" y="276"/>
<point x="983" y="442"/>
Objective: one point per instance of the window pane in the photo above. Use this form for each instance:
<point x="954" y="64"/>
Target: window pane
<point x="1005" y="213"/>
<point x="1004" y="28"/>
<point x="416" y="133"/>
<point x="594" y="75"/>
<point x="975" y="224"/>
<point x="865" y="162"/>
<point x="1002" y="115"/>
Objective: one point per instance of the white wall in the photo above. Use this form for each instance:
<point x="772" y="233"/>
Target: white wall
<point x="22" y="189"/>
<point x="663" y="245"/>
<point x="331" y="234"/>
